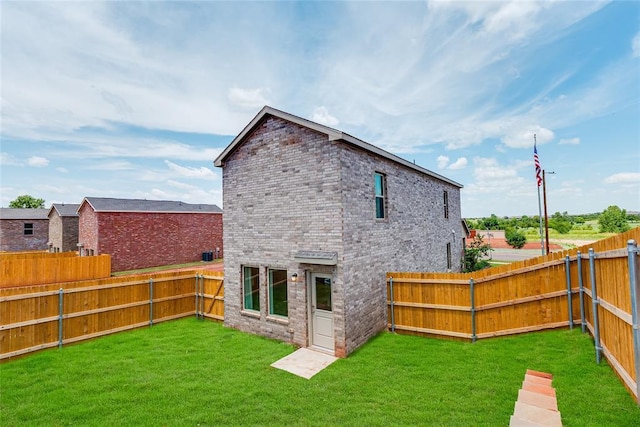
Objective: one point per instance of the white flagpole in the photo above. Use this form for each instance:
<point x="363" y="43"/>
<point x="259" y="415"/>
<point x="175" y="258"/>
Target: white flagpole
<point x="539" y="206"/>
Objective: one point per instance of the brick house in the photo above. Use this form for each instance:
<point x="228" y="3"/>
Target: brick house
<point x="148" y="233"/>
<point x="23" y="229"/>
<point x="313" y="220"/>
<point x="63" y="227"/>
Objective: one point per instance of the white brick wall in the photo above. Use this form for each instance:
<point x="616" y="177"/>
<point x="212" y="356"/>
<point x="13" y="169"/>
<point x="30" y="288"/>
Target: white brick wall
<point x="288" y="188"/>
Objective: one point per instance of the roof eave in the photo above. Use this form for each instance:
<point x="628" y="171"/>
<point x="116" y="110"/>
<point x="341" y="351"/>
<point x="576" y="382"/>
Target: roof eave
<point x="331" y="133"/>
<point x="379" y="151"/>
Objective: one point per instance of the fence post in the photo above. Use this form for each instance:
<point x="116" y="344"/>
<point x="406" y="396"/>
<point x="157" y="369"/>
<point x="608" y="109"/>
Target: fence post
<point x="634" y="283"/>
<point x="393" y="320"/>
<point x="473" y="310"/>
<point x="596" y="303"/>
<point x="150" y="302"/>
<point x="196" y="308"/>
<point x="567" y="267"/>
<point x="60" y="315"/>
<point x="583" y="323"/>
<point x="202" y="296"/>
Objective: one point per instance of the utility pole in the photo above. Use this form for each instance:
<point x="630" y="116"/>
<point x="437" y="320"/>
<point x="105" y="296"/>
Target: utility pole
<point x="546" y="217"/>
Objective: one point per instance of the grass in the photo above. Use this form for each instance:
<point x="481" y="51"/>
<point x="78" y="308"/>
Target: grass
<point x="578" y="232"/>
<point x="190" y="372"/>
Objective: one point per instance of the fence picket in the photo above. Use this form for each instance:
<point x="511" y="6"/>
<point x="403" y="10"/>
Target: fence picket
<point x="88" y="309"/>
<point x="533" y="295"/>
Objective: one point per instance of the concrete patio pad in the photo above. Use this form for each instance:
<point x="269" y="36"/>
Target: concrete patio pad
<point x="304" y="362"/>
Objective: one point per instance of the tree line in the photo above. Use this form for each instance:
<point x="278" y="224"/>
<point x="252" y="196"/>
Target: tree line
<point x="611" y="220"/>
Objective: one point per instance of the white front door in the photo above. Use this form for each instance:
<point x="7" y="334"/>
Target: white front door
<point x="321" y="312"/>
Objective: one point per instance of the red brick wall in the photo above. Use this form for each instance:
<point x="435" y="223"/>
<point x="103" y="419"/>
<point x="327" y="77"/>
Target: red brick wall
<point x="88" y="228"/>
<point x="140" y="240"/>
<point x="12" y="236"/>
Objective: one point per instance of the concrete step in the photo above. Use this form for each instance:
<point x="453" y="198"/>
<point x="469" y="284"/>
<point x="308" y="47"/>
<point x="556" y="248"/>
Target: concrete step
<point x="539" y="374"/>
<point x="538" y="416"/>
<point x="537" y="380"/>
<point x="537" y="399"/>
<point x="536" y="404"/>
<point x="537" y="388"/>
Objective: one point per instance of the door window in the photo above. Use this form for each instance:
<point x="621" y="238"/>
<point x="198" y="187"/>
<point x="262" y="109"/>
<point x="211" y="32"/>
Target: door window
<point x="323" y="293"/>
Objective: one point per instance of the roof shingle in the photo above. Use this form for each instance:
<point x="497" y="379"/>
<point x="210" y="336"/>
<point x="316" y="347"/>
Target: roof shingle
<point x="104" y="204"/>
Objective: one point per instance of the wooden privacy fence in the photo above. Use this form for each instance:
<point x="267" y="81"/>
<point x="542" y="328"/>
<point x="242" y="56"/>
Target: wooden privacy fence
<point x="594" y="287"/>
<point x="35" y="268"/>
<point x="38" y="317"/>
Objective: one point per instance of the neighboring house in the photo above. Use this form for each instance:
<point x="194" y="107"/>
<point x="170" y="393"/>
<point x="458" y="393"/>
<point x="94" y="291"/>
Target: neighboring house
<point x="147" y="233"/>
<point x="314" y="219"/>
<point x="63" y="227"/>
<point x="23" y="229"/>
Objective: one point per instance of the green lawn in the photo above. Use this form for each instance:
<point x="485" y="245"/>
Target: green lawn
<point x="190" y="372"/>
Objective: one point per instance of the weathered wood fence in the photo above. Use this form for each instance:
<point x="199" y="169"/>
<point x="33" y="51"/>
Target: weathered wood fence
<point x="38" y="317"/>
<point x="595" y="288"/>
<point x="34" y="268"/>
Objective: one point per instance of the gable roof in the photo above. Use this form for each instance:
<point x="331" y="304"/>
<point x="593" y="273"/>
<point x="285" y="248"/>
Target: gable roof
<point x="104" y="204"/>
<point x="24" y="213"/>
<point x="65" y="209"/>
<point x="332" y="135"/>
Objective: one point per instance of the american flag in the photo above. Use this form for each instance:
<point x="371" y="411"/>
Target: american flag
<point x="536" y="161"/>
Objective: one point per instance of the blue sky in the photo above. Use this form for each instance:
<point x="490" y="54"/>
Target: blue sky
<point x="136" y="99"/>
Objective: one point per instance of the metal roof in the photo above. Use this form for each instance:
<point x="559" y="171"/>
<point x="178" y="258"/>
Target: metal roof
<point x="65" y="209"/>
<point x="332" y="135"/>
<point x="104" y="204"/>
<point x="22" y="213"/>
<point x="316" y="257"/>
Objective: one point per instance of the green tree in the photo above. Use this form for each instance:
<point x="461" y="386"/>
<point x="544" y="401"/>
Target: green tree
<point x="613" y="220"/>
<point x="491" y="223"/>
<point x="27" y="201"/>
<point x="474" y="253"/>
<point x="515" y="238"/>
<point x="561" y="223"/>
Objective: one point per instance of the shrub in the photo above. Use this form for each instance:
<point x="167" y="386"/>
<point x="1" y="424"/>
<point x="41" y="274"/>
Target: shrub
<point x="473" y="254"/>
<point x="515" y="238"/>
<point x="560" y="225"/>
<point x="613" y="220"/>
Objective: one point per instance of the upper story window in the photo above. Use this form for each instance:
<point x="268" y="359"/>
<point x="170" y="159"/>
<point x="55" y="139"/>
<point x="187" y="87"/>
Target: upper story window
<point x="449" y="264"/>
<point x="28" y="228"/>
<point x="381" y="195"/>
<point x="446" y="204"/>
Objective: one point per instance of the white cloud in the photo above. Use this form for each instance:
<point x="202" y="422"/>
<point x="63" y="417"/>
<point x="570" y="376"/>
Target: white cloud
<point x="191" y="172"/>
<point x="116" y="165"/>
<point x="189" y="194"/>
<point x="635" y="46"/>
<point x="460" y="163"/>
<point x="443" y="162"/>
<point x="321" y="115"/>
<point x="247" y="98"/>
<point x="623" y="178"/>
<point x="110" y="145"/>
<point x="37" y="161"/>
<point x="62" y="170"/>
<point x="7" y="159"/>
<point x="570" y="141"/>
<point x="524" y="137"/>
<point x="488" y="169"/>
